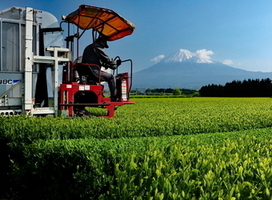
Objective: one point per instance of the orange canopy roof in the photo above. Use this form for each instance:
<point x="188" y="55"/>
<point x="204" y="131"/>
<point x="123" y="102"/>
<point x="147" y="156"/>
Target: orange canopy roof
<point x="102" y="20"/>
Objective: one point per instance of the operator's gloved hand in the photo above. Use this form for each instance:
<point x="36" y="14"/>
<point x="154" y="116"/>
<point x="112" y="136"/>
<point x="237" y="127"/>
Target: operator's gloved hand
<point x="113" y="64"/>
<point x="118" y="62"/>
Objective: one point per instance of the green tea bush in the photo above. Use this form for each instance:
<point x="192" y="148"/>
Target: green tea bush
<point x="239" y="169"/>
<point x="68" y="169"/>
<point x="214" y="166"/>
<point x="96" y="158"/>
<point x="148" y="117"/>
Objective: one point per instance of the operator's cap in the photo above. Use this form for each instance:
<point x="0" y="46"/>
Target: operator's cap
<point x="104" y="39"/>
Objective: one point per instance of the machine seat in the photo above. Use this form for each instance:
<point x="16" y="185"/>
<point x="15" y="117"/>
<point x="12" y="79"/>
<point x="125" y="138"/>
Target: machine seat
<point x="86" y="75"/>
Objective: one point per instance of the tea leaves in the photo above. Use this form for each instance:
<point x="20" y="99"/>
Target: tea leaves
<point x="187" y="148"/>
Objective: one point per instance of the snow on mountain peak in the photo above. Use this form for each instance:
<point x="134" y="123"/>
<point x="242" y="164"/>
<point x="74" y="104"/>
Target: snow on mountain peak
<point x="183" y="55"/>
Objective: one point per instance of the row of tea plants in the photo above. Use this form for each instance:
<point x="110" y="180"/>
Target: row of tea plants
<point x="151" y="117"/>
<point x="156" y="149"/>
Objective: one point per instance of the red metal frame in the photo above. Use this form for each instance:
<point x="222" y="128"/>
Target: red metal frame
<point x="67" y="96"/>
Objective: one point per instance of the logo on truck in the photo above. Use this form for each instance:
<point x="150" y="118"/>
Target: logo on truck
<point x="8" y="81"/>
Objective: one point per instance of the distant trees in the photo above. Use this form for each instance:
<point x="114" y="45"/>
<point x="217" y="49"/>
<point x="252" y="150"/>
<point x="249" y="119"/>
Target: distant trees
<point x="158" y="91"/>
<point x="166" y="91"/>
<point x="246" y="88"/>
<point x="177" y="91"/>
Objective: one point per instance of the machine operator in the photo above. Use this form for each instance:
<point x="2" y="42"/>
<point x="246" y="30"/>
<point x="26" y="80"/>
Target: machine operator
<point x="94" y="54"/>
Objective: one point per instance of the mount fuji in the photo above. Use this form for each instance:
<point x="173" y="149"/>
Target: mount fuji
<point x="185" y="69"/>
<point x="184" y="55"/>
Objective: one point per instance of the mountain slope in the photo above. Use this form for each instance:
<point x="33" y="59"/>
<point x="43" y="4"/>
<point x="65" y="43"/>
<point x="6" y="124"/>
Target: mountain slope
<point x="185" y="69"/>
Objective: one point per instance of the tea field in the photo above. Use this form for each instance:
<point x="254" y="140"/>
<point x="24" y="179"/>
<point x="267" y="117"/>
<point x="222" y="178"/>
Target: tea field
<point x="172" y="148"/>
<point x="154" y="117"/>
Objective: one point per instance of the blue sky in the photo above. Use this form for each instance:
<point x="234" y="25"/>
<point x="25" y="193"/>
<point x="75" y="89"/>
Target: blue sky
<point x="235" y="32"/>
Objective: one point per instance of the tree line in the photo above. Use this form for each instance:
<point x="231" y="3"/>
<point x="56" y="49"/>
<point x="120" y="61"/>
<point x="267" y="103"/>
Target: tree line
<point x="161" y="91"/>
<point x="246" y="88"/>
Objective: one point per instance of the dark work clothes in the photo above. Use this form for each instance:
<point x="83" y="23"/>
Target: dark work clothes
<point x="94" y="54"/>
